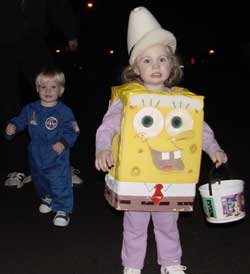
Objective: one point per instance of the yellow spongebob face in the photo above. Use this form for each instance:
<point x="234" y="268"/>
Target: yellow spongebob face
<point x="160" y="139"/>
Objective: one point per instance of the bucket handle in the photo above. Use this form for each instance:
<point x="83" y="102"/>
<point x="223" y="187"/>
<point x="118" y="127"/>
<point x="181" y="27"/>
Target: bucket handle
<point x="213" y="180"/>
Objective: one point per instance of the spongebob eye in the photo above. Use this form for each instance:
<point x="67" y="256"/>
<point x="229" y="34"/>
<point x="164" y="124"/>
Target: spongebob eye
<point x="178" y="120"/>
<point x="148" y="122"/>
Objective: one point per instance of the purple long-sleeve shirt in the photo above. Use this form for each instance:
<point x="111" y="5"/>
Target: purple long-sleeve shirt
<point x="111" y="125"/>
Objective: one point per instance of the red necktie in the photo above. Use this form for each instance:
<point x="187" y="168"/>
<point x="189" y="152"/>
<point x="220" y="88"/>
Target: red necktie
<point x="157" y="196"/>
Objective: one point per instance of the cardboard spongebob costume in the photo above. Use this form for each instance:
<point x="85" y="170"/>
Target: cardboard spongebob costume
<point x="157" y="151"/>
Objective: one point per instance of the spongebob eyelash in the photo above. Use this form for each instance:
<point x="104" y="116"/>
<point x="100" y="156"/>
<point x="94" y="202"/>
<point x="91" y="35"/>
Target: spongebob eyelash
<point x="175" y="104"/>
<point x="180" y="105"/>
<point x="157" y="104"/>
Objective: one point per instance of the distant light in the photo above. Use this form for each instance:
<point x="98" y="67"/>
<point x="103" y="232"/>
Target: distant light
<point x="211" y="52"/>
<point x="111" y="51"/>
<point x="192" y="61"/>
<point x="89" y="5"/>
<point x="58" y="50"/>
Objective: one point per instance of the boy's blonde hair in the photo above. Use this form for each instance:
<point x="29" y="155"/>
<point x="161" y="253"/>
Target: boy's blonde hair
<point x="53" y="73"/>
<point x="128" y="74"/>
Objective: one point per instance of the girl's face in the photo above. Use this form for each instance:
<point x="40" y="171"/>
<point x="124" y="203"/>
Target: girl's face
<point x="153" y="67"/>
<point x="49" y="91"/>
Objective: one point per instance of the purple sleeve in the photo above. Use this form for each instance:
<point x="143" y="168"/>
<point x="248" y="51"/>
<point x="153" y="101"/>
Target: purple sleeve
<point x="109" y="127"/>
<point x="209" y="143"/>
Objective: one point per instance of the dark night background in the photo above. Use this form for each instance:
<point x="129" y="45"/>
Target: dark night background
<point x="223" y="78"/>
<point x="30" y="244"/>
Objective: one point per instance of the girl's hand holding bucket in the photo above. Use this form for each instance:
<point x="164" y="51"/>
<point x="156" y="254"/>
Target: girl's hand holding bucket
<point x="218" y="158"/>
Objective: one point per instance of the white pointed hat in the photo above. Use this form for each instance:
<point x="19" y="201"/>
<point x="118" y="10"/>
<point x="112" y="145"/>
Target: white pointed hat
<point x="145" y="31"/>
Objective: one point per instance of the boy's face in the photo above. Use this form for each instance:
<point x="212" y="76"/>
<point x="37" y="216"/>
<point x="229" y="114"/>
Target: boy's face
<point x="49" y="91"/>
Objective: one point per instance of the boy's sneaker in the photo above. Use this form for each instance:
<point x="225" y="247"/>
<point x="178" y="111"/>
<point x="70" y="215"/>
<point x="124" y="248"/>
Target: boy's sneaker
<point x="15" y="180"/>
<point x="27" y="179"/>
<point x="76" y="180"/>
<point x="61" y="219"/>
<point x="45" y="206"/>
<point x="173" y="269"/>
<point x="128" y="270"/>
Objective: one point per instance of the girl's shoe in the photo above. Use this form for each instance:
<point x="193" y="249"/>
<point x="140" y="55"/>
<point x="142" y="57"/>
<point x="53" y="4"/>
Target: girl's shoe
<point x="128" y="270"/>
<point x="173" y="269"/>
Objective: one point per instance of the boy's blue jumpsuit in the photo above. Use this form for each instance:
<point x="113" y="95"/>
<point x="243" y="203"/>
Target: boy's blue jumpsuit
<point x="50" y="172"/>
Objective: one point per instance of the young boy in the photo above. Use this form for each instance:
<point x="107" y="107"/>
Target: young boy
<point x="53" y="131"/>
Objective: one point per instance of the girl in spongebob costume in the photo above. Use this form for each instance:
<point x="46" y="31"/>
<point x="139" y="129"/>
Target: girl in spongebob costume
<point x="153" y="66"/>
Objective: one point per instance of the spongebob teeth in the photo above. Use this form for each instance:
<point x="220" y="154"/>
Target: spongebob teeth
<point x="177" y="154"/>
<point x="174" y="155"/>
<point x="165" y="156"/>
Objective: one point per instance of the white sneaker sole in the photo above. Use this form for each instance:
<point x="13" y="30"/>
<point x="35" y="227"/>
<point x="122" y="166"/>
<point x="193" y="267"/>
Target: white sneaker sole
<point x="27" y="179"/>
<point x="60" y="221"/>
<point x="13" y="184"/>
<point x="44" y="209"/>
<point x="76" y="180"/>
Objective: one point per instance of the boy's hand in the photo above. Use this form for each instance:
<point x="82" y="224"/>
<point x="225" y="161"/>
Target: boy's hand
<point x="10" y="129"/>
<point x="218" y="158"/>
<point x="104" y="160"/>
<point x="58" y="147"/>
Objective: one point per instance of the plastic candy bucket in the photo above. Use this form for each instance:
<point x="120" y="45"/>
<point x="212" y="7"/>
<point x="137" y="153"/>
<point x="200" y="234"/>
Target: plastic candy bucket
<point x="223" y="201"/>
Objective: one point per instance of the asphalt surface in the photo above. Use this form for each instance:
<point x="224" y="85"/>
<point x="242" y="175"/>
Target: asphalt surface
<point x="30" y="244"/>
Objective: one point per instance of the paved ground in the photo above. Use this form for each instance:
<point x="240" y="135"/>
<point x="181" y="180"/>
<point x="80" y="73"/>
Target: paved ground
<point x="30" y="244"/>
